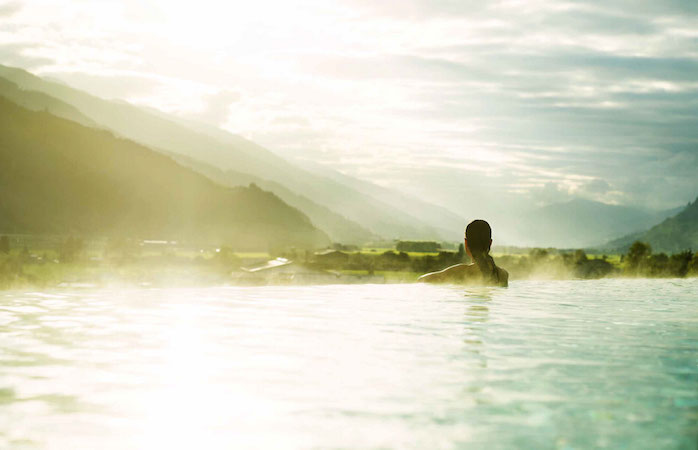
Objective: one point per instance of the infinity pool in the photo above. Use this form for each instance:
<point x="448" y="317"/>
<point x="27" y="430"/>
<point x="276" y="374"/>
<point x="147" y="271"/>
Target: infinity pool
<point x="568" y="365"/>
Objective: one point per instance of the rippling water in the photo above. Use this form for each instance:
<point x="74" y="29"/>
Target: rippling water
<point x="578" y="364"/>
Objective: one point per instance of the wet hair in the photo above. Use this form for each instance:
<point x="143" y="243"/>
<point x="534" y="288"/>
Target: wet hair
<point x="479" y="234"/>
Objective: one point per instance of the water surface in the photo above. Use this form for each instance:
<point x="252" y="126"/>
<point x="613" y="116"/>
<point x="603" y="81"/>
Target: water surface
<point x="576" y="364"/>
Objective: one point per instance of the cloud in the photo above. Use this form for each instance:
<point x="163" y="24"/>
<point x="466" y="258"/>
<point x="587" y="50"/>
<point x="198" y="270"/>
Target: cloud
<point x="513" y="103"/>
<point x="8" y="9"/>
<point x="551" y="193"/>
<point x="217" y="106"/>
<point x="594" y="186"/>
<point x="16" y="54"/>
<point x="430" y="9"/>
<point x="110" y="84"/>
<point x="291" y="121"/>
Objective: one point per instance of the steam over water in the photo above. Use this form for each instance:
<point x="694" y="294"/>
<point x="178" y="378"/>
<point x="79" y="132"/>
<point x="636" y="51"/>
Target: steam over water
<point x="578" y="364"/>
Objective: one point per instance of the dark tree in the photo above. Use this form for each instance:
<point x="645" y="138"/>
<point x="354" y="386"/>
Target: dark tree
<point x="418" y="246"/>
<point x="580" y="256"/>
<point x="638" y="254"/>
<point x="679" y="263"/>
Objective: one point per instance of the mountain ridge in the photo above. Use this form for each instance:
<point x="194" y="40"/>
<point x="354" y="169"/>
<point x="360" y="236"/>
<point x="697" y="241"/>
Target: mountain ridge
<point x="60" y="177"/>
<point x="582" y="223"/>
<point x="674" y="234"/>
<point x="235" y="153"/>
<point x="339" y="228"/>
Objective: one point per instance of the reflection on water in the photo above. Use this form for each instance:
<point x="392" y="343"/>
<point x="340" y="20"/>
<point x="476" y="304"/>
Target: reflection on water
<point x="608" y="363"/>
<point x="476" y="317"/>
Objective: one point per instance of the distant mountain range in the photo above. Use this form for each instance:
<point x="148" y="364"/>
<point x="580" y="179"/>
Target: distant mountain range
<point x="445" y="222"/>
<point x="60" y="177"/>
<point x="347" y="209"/>
<point x="38" y="101"/>
<point x="582" y="223"/>
<point x="675" y="234"/>
<point x="365" y="216"/>
<point x="341" y="228"/>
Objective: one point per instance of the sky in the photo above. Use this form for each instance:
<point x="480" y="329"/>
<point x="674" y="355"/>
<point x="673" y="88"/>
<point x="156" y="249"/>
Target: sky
<point x="483" y="107"/>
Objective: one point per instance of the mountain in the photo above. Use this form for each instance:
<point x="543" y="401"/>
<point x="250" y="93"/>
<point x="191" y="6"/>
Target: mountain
<point x="57" y="176"/>
<point x="436" y="218"/>
<point x="38" y="101"/>
<point x="673" y="235"/>
<point x="448" y="224"/>
<point x="230" y="152"/>
<point x="581" y="223"/>
<point x="338" y="227"/>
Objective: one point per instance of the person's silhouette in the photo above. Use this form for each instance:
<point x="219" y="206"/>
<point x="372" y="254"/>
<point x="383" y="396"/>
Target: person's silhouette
<point x="478" y="241"/>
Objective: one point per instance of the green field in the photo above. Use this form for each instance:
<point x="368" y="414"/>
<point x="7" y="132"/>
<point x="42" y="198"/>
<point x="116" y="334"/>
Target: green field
<point x="379" y="250"/>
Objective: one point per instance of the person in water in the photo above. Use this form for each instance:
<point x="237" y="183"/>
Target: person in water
<point x="478" y="240"/>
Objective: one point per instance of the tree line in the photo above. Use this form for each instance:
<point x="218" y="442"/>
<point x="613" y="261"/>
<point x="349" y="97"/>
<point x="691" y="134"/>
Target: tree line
<point x="20" y="266"/>
<point x="539" y="263"/>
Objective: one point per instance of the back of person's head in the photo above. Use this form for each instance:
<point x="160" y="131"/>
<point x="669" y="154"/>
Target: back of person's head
<point x="479" y="236"/>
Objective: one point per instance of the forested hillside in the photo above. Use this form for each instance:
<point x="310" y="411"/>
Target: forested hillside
<point x="57" y="176"/>
<point x="675" y="234"/>
<point x="338" y="227"/>
<point x="226" y="151"/>
<point x="38" y="101"/>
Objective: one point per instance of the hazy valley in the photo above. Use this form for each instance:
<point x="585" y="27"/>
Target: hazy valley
<point x="342" y="209"/>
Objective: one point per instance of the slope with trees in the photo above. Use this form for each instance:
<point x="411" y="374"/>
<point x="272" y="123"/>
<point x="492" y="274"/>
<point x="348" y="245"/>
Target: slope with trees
<point x="675" y="234"/>
<point x="57" y="176"/>
<point x="38" y="101"/>
<point x="338" y="227"/>
<point x="230" y="152"/>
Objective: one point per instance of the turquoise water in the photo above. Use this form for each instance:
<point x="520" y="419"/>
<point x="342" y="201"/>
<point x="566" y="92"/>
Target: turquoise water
<point x="569" y="365"/>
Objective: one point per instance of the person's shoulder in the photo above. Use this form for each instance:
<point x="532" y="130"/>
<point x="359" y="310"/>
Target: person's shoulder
<point x="503" y="276"/>
<point x="460" y="270"/>
<point x="449" y="274"/>
<point x="459" y="267"/>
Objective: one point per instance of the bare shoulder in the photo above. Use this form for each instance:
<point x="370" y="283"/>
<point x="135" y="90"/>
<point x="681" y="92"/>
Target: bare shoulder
<point x="450" y="274"/>
<point x="503" y="277"/>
